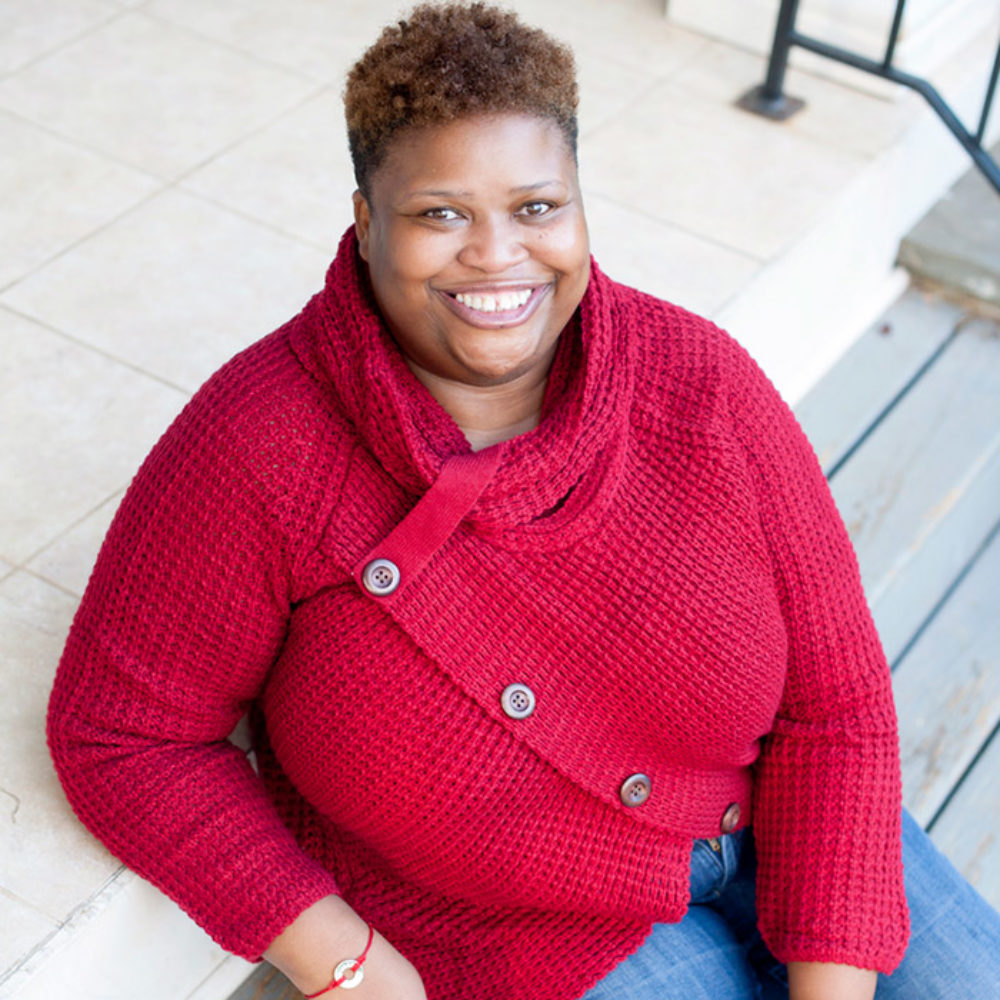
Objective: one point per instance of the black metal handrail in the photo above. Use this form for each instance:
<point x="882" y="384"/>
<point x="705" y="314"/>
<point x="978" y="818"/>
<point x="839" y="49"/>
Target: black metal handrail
<point x="769" y="98"/>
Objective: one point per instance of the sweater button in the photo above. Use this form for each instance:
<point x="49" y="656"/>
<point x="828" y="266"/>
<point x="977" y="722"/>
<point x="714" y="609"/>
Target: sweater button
<point x="635" y="790"/>
<point x="380" y="577"/>
<point x="517" y="701"/>
<point x="731" y="818"/>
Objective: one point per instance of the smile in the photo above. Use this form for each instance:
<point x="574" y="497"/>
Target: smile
<point x="492" y="309"/>
<point x="504" y="302"/>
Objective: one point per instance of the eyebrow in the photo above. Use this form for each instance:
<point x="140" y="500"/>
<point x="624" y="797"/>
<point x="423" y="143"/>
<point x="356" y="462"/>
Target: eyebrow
<point x="535" y="186"/>
<point x="521" y="189"/>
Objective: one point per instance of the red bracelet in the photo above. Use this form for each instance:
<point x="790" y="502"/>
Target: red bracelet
<point x="349" y="972"/>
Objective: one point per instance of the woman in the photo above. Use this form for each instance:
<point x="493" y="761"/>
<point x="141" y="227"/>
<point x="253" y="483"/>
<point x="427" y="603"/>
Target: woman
<point x="552" y="641"/>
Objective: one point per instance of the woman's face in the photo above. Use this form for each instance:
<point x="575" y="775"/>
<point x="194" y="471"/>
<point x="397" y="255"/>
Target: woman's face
<point x="477" y="246"/>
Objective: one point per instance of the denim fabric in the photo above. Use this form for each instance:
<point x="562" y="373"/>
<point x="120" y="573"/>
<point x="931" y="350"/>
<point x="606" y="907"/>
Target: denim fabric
<point x="716" y="953"/>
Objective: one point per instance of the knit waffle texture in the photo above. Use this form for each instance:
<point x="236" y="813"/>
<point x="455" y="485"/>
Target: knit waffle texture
<point x="660" y="562"/>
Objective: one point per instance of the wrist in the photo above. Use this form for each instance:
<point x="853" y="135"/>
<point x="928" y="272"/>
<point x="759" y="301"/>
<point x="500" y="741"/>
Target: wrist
<point x="316" y="942"/>
<point x="348" y="973"/>
<point x="830" y="981"/>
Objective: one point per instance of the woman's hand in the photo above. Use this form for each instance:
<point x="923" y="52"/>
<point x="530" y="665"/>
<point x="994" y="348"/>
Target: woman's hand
<point x="321" y="937"/>
<point x="829" y="981"/>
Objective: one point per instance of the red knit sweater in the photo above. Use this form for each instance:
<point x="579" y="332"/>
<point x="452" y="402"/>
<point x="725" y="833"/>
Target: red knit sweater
<point x="660" y="562"/>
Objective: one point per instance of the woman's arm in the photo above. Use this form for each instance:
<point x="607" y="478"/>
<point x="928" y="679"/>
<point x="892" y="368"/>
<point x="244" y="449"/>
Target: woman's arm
<point x="827" y="792"/>
<point x="828" y="981"/>
<point x="329" y="931"/>
<point x="183" y="617"/>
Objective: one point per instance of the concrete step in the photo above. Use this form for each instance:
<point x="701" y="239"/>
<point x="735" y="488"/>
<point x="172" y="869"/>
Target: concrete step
<point x="956" y="246"/>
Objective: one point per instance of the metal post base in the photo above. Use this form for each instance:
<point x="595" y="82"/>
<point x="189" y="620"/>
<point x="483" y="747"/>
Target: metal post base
<point x="777" y="108"/>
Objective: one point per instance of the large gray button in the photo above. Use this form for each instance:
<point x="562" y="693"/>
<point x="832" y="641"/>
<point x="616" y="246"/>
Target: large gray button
<point x="517" y="701"/>
<point x="635" y="790"/>
<point x="380" y="577"/>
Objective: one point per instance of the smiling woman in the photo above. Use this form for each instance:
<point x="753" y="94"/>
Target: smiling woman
<point x="476" y="245"/>
<point x="559" y="673"/>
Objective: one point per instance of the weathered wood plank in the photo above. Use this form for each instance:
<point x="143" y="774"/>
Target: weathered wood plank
<point x="947" y="689"/>
<point x="968" y="831"/>
<point x="853" y="394"/>
<point x="920" y="495"/>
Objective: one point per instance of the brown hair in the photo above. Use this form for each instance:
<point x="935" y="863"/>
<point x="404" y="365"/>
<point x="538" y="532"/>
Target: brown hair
<point x="447" y="61"/>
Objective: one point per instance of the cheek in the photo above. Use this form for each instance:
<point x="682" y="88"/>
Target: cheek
<point x="417" y="257"/>
<point x="566" y="249"/>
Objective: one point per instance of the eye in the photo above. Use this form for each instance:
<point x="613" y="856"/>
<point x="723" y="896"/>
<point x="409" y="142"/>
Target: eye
<point x="536" y="209"/>
<point x="440" y="214"/>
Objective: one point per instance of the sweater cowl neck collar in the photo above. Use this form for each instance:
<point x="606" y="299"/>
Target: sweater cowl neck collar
<point x="551" y="483"/>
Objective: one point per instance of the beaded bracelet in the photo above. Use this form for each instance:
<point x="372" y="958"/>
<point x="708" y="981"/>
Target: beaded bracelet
<point x="349" y="972"/>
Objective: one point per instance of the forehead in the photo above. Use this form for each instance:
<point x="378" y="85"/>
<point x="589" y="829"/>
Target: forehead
<point x="477" y="154"/>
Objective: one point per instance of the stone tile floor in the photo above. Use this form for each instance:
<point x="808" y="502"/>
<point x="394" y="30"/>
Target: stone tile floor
<point x="174" y="179"/>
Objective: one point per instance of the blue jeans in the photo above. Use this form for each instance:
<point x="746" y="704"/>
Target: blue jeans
<point x="716" y="953"/>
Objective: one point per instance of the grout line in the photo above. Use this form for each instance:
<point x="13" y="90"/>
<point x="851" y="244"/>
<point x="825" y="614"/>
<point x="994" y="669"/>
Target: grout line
<point x="83" y="146"/>
<point x="329" y="248"/>
<point x="106" y="19"/>
<point x="45" y="324"/>
<point x="117" y="493"/>
<point x="74" y="244"/>
<point x="166" y="184"/>
<point x="15" y="898"/>
<point x="51" y="583"/>
<point x="644" y="92"/>
<point x="719" y="244"/>
<point x="201" y="36"/>
<point x="299" y="103"/>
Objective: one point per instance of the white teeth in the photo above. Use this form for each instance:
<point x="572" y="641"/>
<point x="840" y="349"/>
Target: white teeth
<point x="504" y="302"/>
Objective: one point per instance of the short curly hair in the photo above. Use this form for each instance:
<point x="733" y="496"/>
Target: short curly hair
<point x="448" y="61"/>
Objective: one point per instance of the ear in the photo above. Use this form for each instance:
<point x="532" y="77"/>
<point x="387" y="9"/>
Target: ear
<point x="362" y="223"/>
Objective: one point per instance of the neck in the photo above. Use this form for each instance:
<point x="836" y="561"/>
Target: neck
<point x="489" y="414"/>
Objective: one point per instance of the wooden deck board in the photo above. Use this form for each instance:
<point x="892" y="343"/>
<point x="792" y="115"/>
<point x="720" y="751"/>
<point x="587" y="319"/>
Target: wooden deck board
<point x="968" y="832"/>
<point x="947" y="691"/>
<point x="920" y="495"/>
<point x="851" y="397"/>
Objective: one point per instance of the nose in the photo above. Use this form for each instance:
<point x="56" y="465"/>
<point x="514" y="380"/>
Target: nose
<point x="493" y="245"/>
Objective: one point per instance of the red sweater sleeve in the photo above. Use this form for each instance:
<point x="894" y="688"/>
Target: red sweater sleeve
<point x="828" y="786"/>
<point x="182" y="618"/>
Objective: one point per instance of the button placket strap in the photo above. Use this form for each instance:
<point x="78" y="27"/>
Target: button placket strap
<point x="398" y="559"/>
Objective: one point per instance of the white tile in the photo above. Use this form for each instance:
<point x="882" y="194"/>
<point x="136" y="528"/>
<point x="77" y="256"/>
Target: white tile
<point x="74" y="426"/>
<point x="321" y="39"/>
<point x="835" y="114"/>
<point x="636" y="35"/>
<point x="70" y="558"/>
<point x="29" y="28"/>
<point x="55" y="193"/>
<point x="23" y="928"/>
<point x="153" y="95"/>
<point x="607" y="88"/>
<point x="663" y="260"/>
<point x="46" y="856"/>
<point x="714" y="171"/>
<point x="176" y="287"/>
<point x="129" y="943"/>
<point x="295" y="175"/>
<point x="225" y="980"/>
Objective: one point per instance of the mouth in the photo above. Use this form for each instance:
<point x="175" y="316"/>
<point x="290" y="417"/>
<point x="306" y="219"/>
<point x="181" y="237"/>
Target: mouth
<point x="497" y="307"/>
